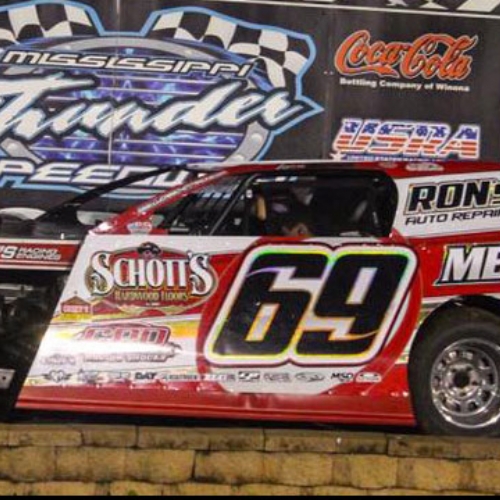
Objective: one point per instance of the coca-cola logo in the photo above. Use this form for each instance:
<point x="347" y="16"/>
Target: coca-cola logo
<point x="429" y="56"/>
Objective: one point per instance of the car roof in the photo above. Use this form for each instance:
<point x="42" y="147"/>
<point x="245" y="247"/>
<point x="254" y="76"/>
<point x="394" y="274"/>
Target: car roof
<point x="394" y="169"/>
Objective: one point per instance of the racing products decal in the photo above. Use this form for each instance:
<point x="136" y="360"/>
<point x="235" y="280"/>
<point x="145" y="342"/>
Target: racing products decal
<point x="81" y="105"/>
<point x="469" y="265"/>
<point x="40" y="255"/>
<point x="379" y="140"/>
<point x="450" y="204"/>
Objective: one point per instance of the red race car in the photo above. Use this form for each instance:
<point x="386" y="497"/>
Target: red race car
<point x="362" y="294"/>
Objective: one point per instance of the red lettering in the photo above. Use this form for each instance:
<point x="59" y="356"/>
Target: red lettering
<point x="429" y="56"/>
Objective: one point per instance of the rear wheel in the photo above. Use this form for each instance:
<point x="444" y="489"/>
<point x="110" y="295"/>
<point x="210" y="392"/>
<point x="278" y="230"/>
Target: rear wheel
<point x="455" y="374"/>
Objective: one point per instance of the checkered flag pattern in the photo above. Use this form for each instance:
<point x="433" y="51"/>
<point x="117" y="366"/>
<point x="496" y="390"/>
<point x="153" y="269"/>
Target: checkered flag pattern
<point x="19" y="24"/>
<point x="486" y="6"/>
<point x="281" y="56"/>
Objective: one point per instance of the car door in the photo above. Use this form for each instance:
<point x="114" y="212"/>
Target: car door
<point x="262" y="296"/>
<point x="320" y="307"/>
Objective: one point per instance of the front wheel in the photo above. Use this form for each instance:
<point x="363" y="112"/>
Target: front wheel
<point x="455" y="374"/>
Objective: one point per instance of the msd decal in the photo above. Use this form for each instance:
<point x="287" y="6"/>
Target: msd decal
<point x="191" y="86"/>
<point x="373" y="140"/>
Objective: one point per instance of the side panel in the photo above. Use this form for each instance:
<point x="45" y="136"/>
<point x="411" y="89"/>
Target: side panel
<point x="231" y="327"/>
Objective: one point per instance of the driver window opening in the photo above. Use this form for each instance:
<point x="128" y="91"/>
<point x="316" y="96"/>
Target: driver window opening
<point x="305" y="206"/>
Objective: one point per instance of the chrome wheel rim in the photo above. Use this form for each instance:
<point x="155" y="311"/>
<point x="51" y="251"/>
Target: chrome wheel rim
<point x="465" y="384"/>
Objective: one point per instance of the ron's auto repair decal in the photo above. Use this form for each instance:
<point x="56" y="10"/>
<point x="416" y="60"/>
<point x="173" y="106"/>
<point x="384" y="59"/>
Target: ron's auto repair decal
<point x="93" y="91"/>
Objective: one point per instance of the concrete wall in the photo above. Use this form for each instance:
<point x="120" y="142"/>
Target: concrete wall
<point x="130" y="461"/>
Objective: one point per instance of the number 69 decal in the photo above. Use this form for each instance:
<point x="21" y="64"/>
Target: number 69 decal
<point x="310" y="305"/>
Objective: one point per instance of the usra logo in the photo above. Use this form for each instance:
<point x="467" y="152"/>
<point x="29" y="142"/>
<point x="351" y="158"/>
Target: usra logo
<point x="372" y="139"/>
<point x="471" y="265"/>
<point x="453" y="196"/>
<point x="151" y="277"/>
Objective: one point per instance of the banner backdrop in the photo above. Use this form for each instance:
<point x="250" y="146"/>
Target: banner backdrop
<point x="94" y="91"/>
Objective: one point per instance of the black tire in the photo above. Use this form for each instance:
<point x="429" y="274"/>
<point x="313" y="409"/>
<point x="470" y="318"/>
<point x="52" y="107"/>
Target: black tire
<point x="454" y="369"/>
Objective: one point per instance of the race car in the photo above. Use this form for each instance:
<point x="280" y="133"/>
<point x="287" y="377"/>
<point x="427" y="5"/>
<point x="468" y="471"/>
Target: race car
<point x="317" y="292"/>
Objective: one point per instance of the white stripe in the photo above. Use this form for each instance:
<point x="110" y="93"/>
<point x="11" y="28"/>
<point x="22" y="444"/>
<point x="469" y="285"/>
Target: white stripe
<point x="29" y="243"/>
<point x="159" y="143"/>
<point x="145" y="91"/>
<point x="130" y="153"/>
<point x="154" y="78"/>
<point x="37" y="267"/>
<point x="362" y="286"/>
<point x="480" y="5"/>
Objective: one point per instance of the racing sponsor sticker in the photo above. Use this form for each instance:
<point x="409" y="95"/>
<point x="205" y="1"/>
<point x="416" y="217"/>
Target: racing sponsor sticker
<point x="449" y="204"/>
<point x="150" y="277"/>
<point x="43" y="255"/>
<point x="469" y="265"/>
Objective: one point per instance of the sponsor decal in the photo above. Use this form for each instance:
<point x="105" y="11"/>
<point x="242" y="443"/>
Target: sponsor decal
<point x="16" y="253"/>
<point x="92" y="378"/>
<point x="120" y="377"/>
<point x="425" y="167"/>
<point x="134" y="357"/>
<point x="195" y="378"/>
<point x="12" y="252"/>
<point x="59" y="360"/>
<point x="278" y="378"/>
<point x="150" y="278"/>
<point x="192" y="85"/>
<point x="218" y="377"/>
<point x="453" y="201"/>
<point x="310" y="378"/>
<point x="145" y="376"/>
<point x="369" y="378"/>
<point x="180" y="378"/>
<point x="374" y="139"/>
<point x="58" y="376"/>
<point x="430" y="62"/>
<point x="249" y="377"/>
<point x="126" y="334"/>
<point x="343" y="377"/>
<point x="429" y="56"/>
<point x="140" y="228"/>
<point x="465" y="265"/>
